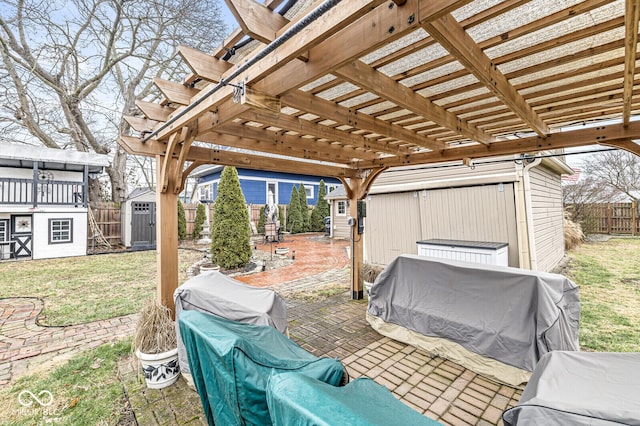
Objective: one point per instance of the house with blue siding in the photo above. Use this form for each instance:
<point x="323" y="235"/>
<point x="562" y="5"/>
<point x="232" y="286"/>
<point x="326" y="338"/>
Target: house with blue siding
<point x="256" y="184"/>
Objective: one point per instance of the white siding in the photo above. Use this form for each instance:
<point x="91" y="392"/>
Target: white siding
<point x="547" y="212"/>
<point x="416" y="178"/>
<point x="479" y="213"/>
<point x="392" y="226"/>
<point x="42" y="249"/>
<point x="339" y="227"/>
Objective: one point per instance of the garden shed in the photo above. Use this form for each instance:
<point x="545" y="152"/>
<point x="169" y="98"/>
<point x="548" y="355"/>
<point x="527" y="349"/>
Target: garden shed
<point x="350" y="89"/>
<point x="138" y="218"/>
<point x="515" y="201"/>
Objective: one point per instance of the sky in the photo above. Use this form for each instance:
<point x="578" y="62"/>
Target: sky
<point x="227" y="16"/>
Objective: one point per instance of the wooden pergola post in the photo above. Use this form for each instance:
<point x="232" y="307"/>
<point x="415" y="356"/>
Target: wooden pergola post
<point x="167" y="234"/>
<point x="357" y="240"/>
<point x="357" y="189"/>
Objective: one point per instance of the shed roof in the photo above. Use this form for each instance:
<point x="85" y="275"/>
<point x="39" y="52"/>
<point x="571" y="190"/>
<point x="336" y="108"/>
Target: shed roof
<point x="21" y="155"/>
<point x="372" y="84"/>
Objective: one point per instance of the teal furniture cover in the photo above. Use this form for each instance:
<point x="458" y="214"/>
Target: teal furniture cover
<point x="298" y="400"/>
<point x="231" y="363"/>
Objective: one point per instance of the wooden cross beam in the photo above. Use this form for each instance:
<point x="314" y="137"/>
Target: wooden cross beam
<point x="364" y="76"/>
<point x="450" y="34"/>
<point x="603" y="135"/>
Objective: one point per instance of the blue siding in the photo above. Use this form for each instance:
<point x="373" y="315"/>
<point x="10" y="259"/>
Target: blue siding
<point x="255" y="191"/>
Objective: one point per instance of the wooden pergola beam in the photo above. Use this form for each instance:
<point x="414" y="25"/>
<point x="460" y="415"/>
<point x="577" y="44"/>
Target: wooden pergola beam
<point x="154" y="111"/>
<point x="448" y="32"/>
<point x="256" y="20"/>
<point x="360" y="74"/>
<point x="175" y="93"/>
<point x="152" y="148"/>
<point x="204" y="66"/>
<point x="632" y="15"/>
<point x="276" y="63"/>
<point x="603" y="135"/>
<point x="280" y="142"/>
<point x="307" y="102"/>
<point x="306" y="127"/>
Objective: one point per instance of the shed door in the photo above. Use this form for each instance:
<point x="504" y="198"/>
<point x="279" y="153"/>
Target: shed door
<point x="143" y="225"/>
<point x="21" y="234"/>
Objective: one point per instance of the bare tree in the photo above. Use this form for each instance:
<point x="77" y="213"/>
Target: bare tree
<point x="70" y="69"/>
<point x="616" y="170"/>
<point x="582" y="199"/>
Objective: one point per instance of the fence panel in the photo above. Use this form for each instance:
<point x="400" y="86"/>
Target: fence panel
<point x="612" y="218"/>
<point x="107" y="220"/>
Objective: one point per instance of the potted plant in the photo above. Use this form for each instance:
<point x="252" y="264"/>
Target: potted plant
<point x="156" y="345"/>
<point x="369" y="274"/>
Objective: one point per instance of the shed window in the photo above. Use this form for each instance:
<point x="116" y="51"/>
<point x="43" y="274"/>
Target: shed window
<point x="205" y="193"/>
<point x="342" y="208"/>
<point x="60" y="231"/>
<point x="4" y="232"/>
<point x="309" y="191"/>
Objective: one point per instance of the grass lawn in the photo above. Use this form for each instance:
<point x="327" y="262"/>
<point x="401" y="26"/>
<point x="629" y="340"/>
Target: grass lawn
<point x="84" y="391"/>
<point x="608" y="274"/>
<point x="88" y="288"/>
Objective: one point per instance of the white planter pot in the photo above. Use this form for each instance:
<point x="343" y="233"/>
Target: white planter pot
<point x="367" y="286"/>
<point x="209" y="268"/>
<point x="160" y="370"/>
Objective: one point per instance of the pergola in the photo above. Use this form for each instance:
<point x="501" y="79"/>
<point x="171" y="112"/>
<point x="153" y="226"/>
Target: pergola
<point x="351" y="88"/>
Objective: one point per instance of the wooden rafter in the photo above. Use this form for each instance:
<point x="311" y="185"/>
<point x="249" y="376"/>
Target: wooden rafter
<point x="448" y="32"/>
<point x="632" y="15"/>
<point x="315" y="105"/>
<point x="175" y="93"/>
<point x="595" y="135"/>
<point x="363" y="75"/>
<point x="205" y="66"/>
<point x="151" y="148"/>
<point x="256" y="20"/>
<point x="306" y="127"/>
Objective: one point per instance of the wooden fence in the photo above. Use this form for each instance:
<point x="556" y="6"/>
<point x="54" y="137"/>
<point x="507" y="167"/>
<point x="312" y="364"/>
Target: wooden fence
<point x="107" y="220"/>
<point x="610" y="218"/>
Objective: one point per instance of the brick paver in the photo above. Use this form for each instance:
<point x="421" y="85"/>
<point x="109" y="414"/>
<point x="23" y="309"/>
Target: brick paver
<point x="333" y="326"/>
<point x="24" y="344"/>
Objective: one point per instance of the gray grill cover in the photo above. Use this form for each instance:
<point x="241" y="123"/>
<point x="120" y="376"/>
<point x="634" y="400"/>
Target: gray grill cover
<point x="217" y="294"/>
<point x="571" y="388"/>
<point x="508" y="314"/>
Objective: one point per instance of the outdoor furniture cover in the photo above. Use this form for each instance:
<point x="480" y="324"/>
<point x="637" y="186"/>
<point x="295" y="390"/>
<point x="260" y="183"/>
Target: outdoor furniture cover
<point x="218" y="294"/>
<point x="495" y="320"/>
<point x="570" y="388"/>
<point x="231" y="363"/>
<point x="298" y="400"/>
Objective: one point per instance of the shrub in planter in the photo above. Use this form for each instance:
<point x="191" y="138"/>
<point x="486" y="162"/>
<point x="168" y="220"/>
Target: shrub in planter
<point x="201" y="216"/>
<point x="156" y="347"/>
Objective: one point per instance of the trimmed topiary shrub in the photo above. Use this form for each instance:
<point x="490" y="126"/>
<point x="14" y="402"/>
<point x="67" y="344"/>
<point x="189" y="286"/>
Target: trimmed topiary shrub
<point x="294" y="218"/>
<point x="304" y="208"/>
<point x="261" y="221"/>
<point x="182" y="222"/>
<point x="231" y="233"/>
<point x="201" y="216"/>
<point x="321" y="210"/>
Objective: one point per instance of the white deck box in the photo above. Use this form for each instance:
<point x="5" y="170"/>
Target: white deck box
<point x="487" y="253"/>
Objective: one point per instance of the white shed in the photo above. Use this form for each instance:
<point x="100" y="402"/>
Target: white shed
<point x="138" y="218"/>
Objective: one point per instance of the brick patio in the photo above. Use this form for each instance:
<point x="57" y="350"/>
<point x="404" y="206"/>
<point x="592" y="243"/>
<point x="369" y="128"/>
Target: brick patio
<point x="335" y="326"/>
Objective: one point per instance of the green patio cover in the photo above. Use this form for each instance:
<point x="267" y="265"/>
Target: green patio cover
<point x="231" y="363"/>
<point x="298" y="400"/>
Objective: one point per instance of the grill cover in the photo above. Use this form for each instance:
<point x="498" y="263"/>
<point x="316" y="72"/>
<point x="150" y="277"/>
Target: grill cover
<point x="507" y="314"/>
<point x="571" y="388"/>
<point x="220" y="295"/>
<point x="231" y="363"/>
<point x="297" y="400"/>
